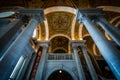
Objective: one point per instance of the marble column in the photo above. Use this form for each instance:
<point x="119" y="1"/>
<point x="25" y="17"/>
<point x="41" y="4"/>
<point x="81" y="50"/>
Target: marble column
<point x="108" y="51"/>
<point x="41" y="66"/>
<point x="96" y="66"/>
<point x="109" y="28"/>
<point x="30" y="68"/>
<point x="14" y="52"/>
<point x="88" y="61"/>
<point x="81" y="75"/>
<point x="10" y="31"/>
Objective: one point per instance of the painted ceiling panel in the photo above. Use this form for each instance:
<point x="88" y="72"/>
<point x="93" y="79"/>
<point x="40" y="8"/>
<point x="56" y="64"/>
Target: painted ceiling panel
<point x="59" y="43"/>
<point x="60" y="23"/>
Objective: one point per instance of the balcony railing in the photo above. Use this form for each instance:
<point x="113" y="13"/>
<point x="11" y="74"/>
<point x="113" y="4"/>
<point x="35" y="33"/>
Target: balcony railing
<point x="60" y="56"/>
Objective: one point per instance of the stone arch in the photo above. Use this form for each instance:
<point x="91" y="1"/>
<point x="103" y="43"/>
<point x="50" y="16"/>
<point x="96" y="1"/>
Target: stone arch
<point x="60" y="74"/>
<point x="60" y="48"/>
<point x="64" y="9"/>
<point x="62" y="35"/>
<point x="114" y="19"/>
<point x="117" y="24"/>
<point x="59" y="35"/>
<point x="86" y="35"/>
<point x="46" y="29"/>
<point x="73" y="28"/>
<point x="94" y="50"/>
<point x="61" y="67"/>
<point x="60" y="8"/>
<point x="110" y="8"/>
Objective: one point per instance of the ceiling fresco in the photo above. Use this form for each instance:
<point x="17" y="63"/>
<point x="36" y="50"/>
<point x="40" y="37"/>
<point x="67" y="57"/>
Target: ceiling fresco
<point x="59" y="23"/>
<point x="59" y="43"/>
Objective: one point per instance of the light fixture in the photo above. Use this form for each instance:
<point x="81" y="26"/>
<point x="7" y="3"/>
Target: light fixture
<point x="60" y="71"/>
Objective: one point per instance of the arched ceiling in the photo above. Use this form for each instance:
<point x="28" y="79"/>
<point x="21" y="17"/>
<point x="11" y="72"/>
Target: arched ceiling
<point x="59" y="42"/>
<point x="60" y="23"/>
<point x="60" y="17"/>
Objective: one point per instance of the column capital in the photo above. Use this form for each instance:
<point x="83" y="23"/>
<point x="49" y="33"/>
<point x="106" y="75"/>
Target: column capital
<point x="37" y="14"/>
<point x="90" y="12"/>
<point x="44" y="43"/>
<point x="76" y="43"/>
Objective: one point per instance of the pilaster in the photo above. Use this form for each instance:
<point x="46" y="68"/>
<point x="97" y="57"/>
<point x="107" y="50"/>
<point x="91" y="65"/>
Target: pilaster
<point x="14" y="52"/>
<point x="88" y="61"/>
<point x="75" y="45"/>
<point x="40" y="71"/>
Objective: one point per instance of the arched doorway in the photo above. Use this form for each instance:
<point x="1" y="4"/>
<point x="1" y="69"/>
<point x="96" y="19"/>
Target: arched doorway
<point x="60" y="75"/>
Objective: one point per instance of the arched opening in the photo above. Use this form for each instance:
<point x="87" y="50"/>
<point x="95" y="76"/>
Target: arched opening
<point x="60" y="75"/>
<point x="59" y="51"/>
<point x="59" y="44"/>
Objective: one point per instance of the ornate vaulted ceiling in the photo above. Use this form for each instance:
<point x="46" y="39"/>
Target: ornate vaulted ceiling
<point x="60" y="23"/>
<point x="63" y="23"/>
<point x="58" y="42"/>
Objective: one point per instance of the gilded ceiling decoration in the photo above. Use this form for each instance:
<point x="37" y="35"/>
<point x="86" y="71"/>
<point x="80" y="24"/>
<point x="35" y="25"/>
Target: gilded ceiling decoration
<point x="60" y="22"/>
<point x="59" y="43"/>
